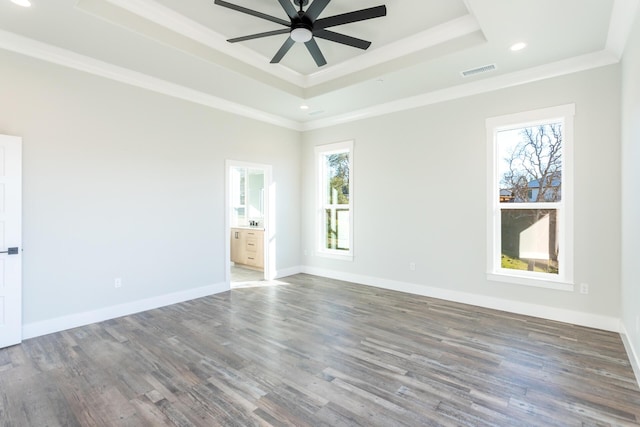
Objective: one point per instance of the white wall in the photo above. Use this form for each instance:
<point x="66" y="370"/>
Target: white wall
<point x="122" y="182"/>
<point x="631" y="190"/>
<point x="420" y="196"/>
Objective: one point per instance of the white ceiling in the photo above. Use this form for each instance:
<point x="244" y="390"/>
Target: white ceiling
<point x="417" y="53"/>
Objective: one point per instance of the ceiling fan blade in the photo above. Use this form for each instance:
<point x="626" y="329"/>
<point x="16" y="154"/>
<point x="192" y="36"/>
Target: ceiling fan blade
<point x="252" y="12"/>
<point x="314" y="50"/>
<point x="288" y="7"/>
<point x="283" y="50"/>
<point x="259" y="35"/>
<point x="316" y="8"/>
<point x="341" y="38"/>
<point x="347" y="18"/>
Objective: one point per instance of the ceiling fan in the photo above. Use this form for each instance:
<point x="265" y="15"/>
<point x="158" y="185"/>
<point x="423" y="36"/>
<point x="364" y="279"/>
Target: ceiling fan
<point x="304" y="26"/>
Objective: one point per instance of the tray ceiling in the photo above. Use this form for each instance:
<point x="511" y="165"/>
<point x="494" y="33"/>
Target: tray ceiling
<point x="418" y="50"/>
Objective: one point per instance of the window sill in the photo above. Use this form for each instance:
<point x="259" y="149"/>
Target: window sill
<point x="335" y="255"/>
<point x="527" y="281"/>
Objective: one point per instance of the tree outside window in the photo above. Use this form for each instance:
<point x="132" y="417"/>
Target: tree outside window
<point x="530" y="198"/>
<point x="337" y="208"/>
<point x="530" y="173"/>
<point x="335" y="185"/>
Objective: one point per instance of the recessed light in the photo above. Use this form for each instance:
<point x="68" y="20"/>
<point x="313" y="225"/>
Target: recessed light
<point x="518" y="46"/>
<point x="23" y="3"/>
<point x="304" y="107"/>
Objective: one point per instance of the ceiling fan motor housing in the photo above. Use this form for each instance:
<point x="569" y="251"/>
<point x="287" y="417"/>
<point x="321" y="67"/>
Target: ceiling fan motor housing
<point x="302" y="21"/>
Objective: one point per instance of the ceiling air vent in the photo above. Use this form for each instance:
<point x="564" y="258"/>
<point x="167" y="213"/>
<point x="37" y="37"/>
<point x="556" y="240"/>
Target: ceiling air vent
<point x="474" y="71"/>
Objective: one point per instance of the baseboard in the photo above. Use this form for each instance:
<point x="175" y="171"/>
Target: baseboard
<point x="634" y="356"/>
<point x="288" y="272"/>
<point x="590" y="320"/>
<point x="36" y="329"/>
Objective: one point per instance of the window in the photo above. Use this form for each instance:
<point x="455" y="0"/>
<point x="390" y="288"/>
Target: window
<point x="247" y="196"/>
<point x="335" y="199"/>
<point x="530" y="218"/>
<point x="238" y="196"/>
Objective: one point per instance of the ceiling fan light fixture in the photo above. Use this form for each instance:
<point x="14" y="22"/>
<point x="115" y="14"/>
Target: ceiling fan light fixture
<point x="301" y="35"/>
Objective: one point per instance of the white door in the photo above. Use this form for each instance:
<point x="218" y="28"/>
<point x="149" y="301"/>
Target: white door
<point x="10" y="240"/>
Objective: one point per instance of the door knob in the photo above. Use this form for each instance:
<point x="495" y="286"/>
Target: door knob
<point x="10" y="251"/>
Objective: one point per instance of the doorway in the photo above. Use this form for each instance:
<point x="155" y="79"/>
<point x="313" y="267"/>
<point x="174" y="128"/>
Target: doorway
<point x="248" y="223"/>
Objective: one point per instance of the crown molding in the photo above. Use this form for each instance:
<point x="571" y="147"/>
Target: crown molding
<point x="180" y="24"/>
<point x="168" y="18"/>
<point x="622" y="17"/>
<point x="555" y="69"/>
<point x="35" y="49"/>
<point x="621" y="21"/>
<point x="29" y="47"/>
<point x="439" y="34"/>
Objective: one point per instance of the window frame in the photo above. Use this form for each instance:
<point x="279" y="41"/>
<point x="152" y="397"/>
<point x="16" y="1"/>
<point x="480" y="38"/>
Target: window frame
<point x="321" y="151"/>
<point x="236" y="202"/>
<point x="564" y="279"/>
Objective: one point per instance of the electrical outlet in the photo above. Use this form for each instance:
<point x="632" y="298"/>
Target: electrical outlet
<point x="117" y="282"/>
<point x="584" y="288"/>
<point x="412" y="266"/>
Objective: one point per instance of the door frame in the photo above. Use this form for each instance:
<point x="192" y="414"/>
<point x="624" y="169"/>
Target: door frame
<point x="13" y="237"/>
<point x="269" y="216"/>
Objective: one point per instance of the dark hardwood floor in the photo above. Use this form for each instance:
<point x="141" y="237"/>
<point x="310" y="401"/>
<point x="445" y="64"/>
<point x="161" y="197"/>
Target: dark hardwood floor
<point x="319" y="352"/>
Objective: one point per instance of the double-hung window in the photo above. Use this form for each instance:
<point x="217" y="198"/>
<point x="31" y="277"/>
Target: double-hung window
<point x="530" y="193"/>
<point x="335" y="199"/>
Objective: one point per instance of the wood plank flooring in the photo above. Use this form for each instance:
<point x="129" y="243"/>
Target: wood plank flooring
<point x="245" y="277"/>
<point x="319" y="352"/>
